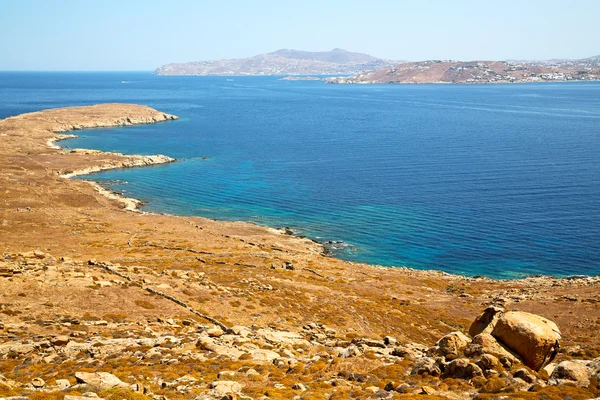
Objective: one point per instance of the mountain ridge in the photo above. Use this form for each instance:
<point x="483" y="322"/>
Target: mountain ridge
<point x="281" y="62"/>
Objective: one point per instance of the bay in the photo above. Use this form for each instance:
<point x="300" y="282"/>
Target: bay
<point x="495" y="180"/>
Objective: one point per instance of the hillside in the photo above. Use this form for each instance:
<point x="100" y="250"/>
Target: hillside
<point x="435" y="71"/>
<point x="281" y="62"/>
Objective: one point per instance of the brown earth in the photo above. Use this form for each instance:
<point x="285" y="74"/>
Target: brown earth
<point x="436" y="71"/>
<point x="157" y="275"/>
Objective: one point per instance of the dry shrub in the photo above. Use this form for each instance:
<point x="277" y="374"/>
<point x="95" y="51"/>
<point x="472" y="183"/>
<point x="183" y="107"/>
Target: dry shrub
<point x="145" y="304"/>
<point x="6" y="391"/>
<point x="123" y="394"/>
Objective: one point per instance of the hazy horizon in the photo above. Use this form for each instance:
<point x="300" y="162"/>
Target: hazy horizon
<point x="143" y="35"/>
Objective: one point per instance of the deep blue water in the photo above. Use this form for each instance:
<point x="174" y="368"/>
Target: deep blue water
<point x="496" y="180"/>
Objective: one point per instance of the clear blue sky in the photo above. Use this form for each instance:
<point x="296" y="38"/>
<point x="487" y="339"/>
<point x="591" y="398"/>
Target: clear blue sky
<point x="144" y="34"/>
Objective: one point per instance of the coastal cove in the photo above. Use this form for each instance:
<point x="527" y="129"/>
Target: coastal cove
<point x="438" y="197"/>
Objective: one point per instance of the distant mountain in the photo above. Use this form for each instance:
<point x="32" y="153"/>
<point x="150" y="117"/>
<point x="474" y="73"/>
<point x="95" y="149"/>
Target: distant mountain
<point x="435" y="71"/>
<point x="282" y="62"/>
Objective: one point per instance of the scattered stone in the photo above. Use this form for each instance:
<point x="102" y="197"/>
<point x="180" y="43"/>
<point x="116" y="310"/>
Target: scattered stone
<point x="38" y="383"/>
<point x="525" y="375"/>
<point x="100" y="380"/>
<point x="62" y="340"/>
<point x="215" y="332"/>
<point x="570" y="372"/>
<point x="263" y="355"/>
<point x="63" y="384"/>
<point x="226" y="387"/>
<point x="390" y="341"/>
<point x="351" y="351"/>
<point x="462" y="368"/>
<point x="489" y="362"/>
<point x="426" y="365"/>
<point x="299" y="386"/>
<point x="87" y="396"/>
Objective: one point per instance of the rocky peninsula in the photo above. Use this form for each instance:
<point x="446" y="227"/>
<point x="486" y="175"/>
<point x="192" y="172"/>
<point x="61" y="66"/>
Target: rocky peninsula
<point x="99" y="301"/>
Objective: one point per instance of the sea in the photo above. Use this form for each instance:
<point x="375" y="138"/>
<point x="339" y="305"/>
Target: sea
<point x="493" y="180"/>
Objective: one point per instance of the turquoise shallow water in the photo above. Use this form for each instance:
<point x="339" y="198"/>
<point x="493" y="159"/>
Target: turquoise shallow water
<point x="498" y="180"/>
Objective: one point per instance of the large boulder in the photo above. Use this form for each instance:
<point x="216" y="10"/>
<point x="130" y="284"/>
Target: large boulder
<point x="535" y="339"/>
<point x="570" y="372"/>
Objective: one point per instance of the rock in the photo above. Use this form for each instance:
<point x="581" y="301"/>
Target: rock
<point x="226" y="374"/>
<point x="86" y="397"/>
<point x="263" y="355"/>
<point x="61" y="340"/>
<point x="489" y="362"/>
<point x="215" y="332"/>
<point x="223" y="388"/>
<point x="462" y="368"/>
<point x="549" y="368"/>
<point x="525" y="375"/>
<point x="39" y="254"/>
<point x="351" y="351"/>
<point x="488" y="344"/>
<point x="485" y="322"/>
<point x="242" y="331"/>
<point x="535" y="339"/>
<point x="453" y="344"/>
<point x="63" y="384"/>
<point x="38" y="383"/>
<point x="594" y="368"/>
<point x="428" y="390"/>
<point x="570" y="372"/>
<point x="426" y="365"/>
<point x="277" y="337"/>
<point x="299" y="386"/>
<point x="100" y="380"/>
<point x="390" y="341"/>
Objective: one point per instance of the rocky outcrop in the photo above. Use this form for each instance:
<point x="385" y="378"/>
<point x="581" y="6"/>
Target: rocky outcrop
<point x="529" y="338"/>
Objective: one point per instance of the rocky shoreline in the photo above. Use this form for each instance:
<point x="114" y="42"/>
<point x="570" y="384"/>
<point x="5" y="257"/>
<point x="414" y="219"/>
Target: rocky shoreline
<point x="98" y="302"/>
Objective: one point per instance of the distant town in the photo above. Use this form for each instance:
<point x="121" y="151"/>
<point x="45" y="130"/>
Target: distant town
<point x="345" y="67"/>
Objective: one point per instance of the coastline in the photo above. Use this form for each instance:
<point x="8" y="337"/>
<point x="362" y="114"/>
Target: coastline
<point x="133" y="204"/>
<point x="271" y="243"/>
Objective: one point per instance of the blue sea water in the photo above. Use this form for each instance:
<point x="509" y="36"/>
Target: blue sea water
<point x="495" y="180"/>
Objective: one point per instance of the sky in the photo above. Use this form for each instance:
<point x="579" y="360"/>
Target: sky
<point x="141" y="35"/>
